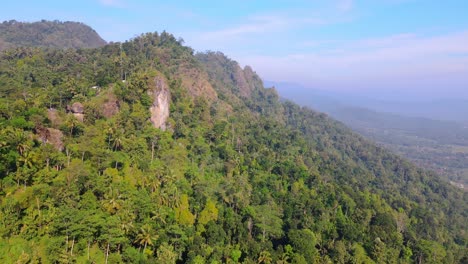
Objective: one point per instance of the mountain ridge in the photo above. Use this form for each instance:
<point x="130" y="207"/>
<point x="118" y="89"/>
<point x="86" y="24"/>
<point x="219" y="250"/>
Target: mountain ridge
<point x="54" y="34"/>
<point x="236" y="176"/>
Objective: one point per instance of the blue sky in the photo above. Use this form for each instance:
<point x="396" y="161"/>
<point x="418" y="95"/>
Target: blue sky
<point x="385" y="47"/>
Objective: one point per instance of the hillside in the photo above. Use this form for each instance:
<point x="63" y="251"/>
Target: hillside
<point x="148" y="153"/>
<point x="53" y="34"/>
<point x="441" y="146"/>
<point x="438" y="145"/>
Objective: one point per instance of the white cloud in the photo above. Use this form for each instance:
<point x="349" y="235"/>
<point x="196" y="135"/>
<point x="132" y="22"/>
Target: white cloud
<point x="345" y="5"/>
<point x="112" y="3"/>
<point x="392" y="59"/>
<point x="261" y="24"/>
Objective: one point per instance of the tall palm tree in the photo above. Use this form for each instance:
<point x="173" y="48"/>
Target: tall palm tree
<point x="112" y="201"/>
<point x="145" y="236"/>
<point x="265" y="257"/>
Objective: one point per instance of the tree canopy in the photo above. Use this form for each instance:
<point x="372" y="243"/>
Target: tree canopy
<point x="237" y="177"/>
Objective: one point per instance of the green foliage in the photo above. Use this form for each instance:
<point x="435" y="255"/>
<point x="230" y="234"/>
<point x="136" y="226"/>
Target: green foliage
<point x="441" y="146"/>
<point x="183" y="214"/>
<point x="303" y="241"/>
<point x="209" y="213"/>
<point x="237" y="177"/>
<point x="48" y="34"/>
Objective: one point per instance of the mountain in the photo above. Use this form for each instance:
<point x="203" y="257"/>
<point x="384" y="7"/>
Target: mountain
<point x="144" y="152"/>
<point x="439" y="145"/>
<point x="449" y="109"/>
<point x="53" y="34"/>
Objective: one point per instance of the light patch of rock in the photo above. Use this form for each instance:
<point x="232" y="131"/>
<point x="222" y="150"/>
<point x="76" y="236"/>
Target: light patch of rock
<point x="77" y="110"/>
<point x="160" y="108"/>
<point x="241" y="82"/>
<point x="51" y="136"/>
<point x="110" y="107"/>
<point x="54" y="117"/>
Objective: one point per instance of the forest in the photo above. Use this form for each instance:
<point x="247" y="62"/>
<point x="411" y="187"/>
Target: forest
<point x="234" y="176"/>
<point x="45" y="33"/>
<point x="435" y="138"/>
<point x="441" y="146"/>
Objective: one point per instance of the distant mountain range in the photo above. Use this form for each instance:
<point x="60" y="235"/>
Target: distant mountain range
<point x="452" y="109"/>
<point x="439" y="144"/>
<point x="54" y="34"/>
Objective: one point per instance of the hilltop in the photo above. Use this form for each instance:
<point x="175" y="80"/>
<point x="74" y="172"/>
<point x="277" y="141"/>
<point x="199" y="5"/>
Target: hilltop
<point x="53" y="34"/>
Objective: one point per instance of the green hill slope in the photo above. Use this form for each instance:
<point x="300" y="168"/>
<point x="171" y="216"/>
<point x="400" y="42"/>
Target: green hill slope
<point x="441" y="146"/>
<point x="54" y="34"/>
<point x="233" y="175"/>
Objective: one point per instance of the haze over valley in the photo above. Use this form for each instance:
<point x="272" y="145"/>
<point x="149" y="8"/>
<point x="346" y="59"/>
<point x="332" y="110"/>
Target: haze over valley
<point x="433" y="134"/>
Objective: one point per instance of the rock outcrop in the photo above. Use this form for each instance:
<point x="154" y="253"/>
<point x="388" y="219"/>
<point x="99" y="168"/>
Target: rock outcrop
<point x="241" y="82"/>
<point x="54" y="117"/>
<point x="111" y="106"/>
<point x="51" y="136"/>
<point x="161" y="97"/>
<point x="246" y="80"/>
<point x="197" y="83"/>
<point x="77" y="110"/>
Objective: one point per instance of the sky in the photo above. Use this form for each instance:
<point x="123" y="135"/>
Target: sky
<point x="378" y="47"/>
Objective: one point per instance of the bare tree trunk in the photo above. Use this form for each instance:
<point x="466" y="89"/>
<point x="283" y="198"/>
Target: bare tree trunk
<point x="38" y="206"/>
<point x="73" y="244"/>
<point x="263" y="230"/>
<point x="250" y="226"/>
<point x="89" y="244"/>
<point x="66" y="247"/>
<point x="107" y="252"/>
<point x="68" y="156"/>
<point x="152" y="151"/>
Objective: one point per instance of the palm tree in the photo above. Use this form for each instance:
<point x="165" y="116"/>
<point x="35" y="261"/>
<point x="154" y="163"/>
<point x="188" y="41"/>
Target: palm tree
<point x="117" y="142"/>
<point x="126" y="221"/>
<point x="265" y="257"/>
<point x="284" y="259"/>
<point x="145" y="236"/>
<point x="112" y="201"/>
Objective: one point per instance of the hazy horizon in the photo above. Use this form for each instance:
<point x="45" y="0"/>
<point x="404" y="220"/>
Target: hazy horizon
<point x="393" y="48"/>
<point x="449" y="109"/>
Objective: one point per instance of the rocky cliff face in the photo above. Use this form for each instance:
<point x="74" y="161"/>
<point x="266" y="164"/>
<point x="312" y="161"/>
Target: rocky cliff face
<point x="51" y="136"/>
<point x="229" y="74"/>
<point x="196" y="82"/>
<point x="240" y="81"/>
<point x="161" y="98"/>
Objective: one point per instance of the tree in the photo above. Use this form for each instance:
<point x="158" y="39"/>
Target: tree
<point x="267" y="218"/>
<point x="265" y="257"/>
<point x="303" y="242"/>
<point x="183" y="214"/>
<point x="165" y="254"/>
<point x="209" y="213"/>
<point x="145" y="236"/>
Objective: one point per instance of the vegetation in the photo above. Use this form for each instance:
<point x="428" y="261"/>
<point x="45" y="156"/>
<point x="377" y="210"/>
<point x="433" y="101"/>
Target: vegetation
<point x="48" y="34"/>
<point x="238" y="176"/>
<point x="441" y="146"/>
